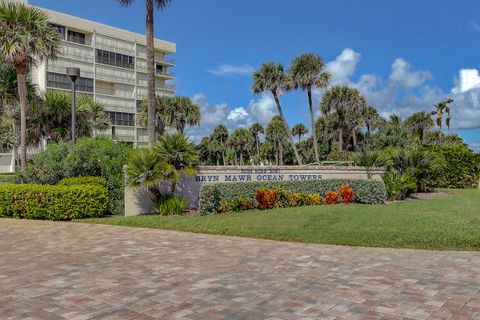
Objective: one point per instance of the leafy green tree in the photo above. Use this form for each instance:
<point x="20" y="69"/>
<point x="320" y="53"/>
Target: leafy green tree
<point x="276" y="132"/>
<point x="307" y="71"/>
<point x="217" y="149"/>
<point x="220" y="134"/>
<point x="270" y="77"/>
<point x="342" y="100"/>
<point x="184" y="114"/>
<point x="299" y="130"/>
<point x="25" y="37"/>
<point x="149" y="31"/>
<point x="256" y="129"/>
<point x="440" y="108"/>
<point x="393" y="134"/>
<point x="240" y="140"/>
<point x="419" y="123"/>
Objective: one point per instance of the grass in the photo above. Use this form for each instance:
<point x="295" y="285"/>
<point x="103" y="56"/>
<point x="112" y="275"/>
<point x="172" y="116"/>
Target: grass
<point x="445" y="223"/>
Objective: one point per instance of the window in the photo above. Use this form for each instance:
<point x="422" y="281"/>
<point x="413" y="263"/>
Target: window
<point x="60" y="29"/>
<point x="115" y="59"/>
<point x="76" y="37"/>
<point x="61" y="81"/>
<point x="122" y="119"/>
<point x="159" y="69"/>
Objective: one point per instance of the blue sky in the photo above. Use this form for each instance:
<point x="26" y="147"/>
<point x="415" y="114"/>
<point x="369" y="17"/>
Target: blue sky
<point x="402" y="55"/>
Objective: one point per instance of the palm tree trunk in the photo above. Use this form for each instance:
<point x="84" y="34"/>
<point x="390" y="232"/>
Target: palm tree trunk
<point x="241" y="157"/>
<point x="223" y="158"/>
<point x="422" y="136"/>
<point x="22" y="94"/>
<point x="340" y="138"/>
<point x="289" y="133"/>
<point x="312" y="123"/>
<point x="281" y="153"/>
<point x="354" y="140"/>
<point x="150" y="74"/>
<point x="258" y="149"/>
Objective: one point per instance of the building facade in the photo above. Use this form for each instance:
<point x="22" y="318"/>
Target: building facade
<point x="113" y="69"/>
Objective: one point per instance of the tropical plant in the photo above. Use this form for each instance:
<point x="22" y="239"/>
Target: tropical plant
<point x="372" y="119"/>
<point x="185" y="113"/>
<point x="220" y="134"/>
<point x="179" y="153"/>
<point x="276" y="133"/>
<point x="256" y="129"/>
<point x="307" y="71"/>
<point x="217" y="149"/>
<point x="393" y="134"/>
<point x="240" y="140"/>
<point x="169" y="204"/>
<point x="398" y="186"/>
<point x="419" y="123"/>
<point x="440" y="108"/>
<point x="270" y="77"/>
<point x="369" y="160"/>
<point x="164" y="106"/>
<point x="26" y="37"/>
<point x="299" y="130"/>
<point x="149" y="31"/>
<point x="341" y="100"/>
<point x="8" y="140"/>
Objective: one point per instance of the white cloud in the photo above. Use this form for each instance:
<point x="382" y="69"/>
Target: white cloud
<point x="264" y="109"/>
<point x="343" y="67"/>
<point x="238" y="114"/>
<point x="468" y="79"/>
<point x="230" y="69"/>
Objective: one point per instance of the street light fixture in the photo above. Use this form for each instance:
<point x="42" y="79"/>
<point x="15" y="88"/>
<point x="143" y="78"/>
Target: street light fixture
<point x="73" y="74"/>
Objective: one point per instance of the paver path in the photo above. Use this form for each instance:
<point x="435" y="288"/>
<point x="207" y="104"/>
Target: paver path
<point x="77" y="271"/>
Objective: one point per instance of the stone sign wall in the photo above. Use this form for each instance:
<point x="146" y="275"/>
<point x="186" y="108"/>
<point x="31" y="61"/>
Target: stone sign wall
<point x="137" y="201"/>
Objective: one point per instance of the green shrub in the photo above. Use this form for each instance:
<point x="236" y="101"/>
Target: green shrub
<point x="75" y="181"/>
<point x="341" y="156"/>
<point x="7" y="178"/>
<point x="169" y="204"/>
<point x="46" y="202"/>
<point x="99" y="157"/>
<point x="461" y="167"/>
<point x="212" y="195"/>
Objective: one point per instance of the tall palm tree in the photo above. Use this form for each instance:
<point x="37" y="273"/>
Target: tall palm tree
<point x="418" y="123"/>
<point x="308" y="73"/>
<point x="149" y="24"/>
<point x="25" y="37"/>
<point x="440" y="108"/>
<point x="372" y="119"/>
<point x="299" y="130"/>
<point x="220" y="133"/>
<point x="276" y="132"/>
<point x="256" y="129"/>
<point x="164" y="106"/>
<point x="240" y="140"/>
<point x="341" y="100"/>
<point x="185" y="113"/>
<point x="270" y="77"/>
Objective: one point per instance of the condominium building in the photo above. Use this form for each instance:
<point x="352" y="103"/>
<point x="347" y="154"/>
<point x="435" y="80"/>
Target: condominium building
<point x="113" y="69"/>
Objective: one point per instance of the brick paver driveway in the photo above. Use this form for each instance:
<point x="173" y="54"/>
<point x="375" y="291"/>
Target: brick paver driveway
<point x="78" y="271"/>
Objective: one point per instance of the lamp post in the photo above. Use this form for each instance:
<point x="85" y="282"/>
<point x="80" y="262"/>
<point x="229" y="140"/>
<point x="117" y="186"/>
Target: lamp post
<point x="73" y="74"/>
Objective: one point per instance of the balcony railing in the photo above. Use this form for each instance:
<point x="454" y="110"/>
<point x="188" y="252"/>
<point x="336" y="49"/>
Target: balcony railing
<point x="166" y="60"/>
<point x="165" y="73"/>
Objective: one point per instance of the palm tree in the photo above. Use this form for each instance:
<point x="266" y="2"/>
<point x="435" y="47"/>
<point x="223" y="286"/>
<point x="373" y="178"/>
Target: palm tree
<point x="299" y="130"/>
<point x="372" y="119"/>
<point x="240" y="140"/>
<point x="307" y="73"/>
<point x="341" y="100"/>
<point x="215" y="148"/>
<point x="276" y="132"/>
<point x="164" y="105"/>
<point x="220" y="133"/>
<point x="418" y="123"/>
<point x="185" y="113"/>
<point x="149" y="24"/>
<point x="270" y="77"/>
<point x="25" y="37"/>
<point x="440" y="108"/>
<point x="256" y="129"/>
<point x="177" y="151"/>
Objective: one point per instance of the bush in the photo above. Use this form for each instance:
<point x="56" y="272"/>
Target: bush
<point x="75" y="181"/>
<point x="461" y="168"/>
<point x="7" y="178"/>
<point x="347" y="193"/>
<point x="99" y="157"/>
<point x="212" y="194"/>
<point x="332" y="197"/>
<point x="45" y="202"/>
<point x="341" y="156"/>
<point x="265" y="198"/>
<point x="169" y="204"/>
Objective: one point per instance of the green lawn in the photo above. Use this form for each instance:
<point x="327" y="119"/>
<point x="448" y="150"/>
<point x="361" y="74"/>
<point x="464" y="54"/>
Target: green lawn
<point x="450" y="222"/>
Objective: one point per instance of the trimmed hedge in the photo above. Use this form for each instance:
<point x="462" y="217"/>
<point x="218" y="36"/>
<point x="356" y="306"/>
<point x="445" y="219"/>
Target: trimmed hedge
<point x="45" y="202"/>
<point x="7" y="178"/>
<point x="212" y="194"/>
<point x="76" y="181"/>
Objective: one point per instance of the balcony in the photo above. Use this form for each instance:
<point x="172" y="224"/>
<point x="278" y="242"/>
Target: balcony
<point x="165" y="73"/>
<point x="164" y="60"/>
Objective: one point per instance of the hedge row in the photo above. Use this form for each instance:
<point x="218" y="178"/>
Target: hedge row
<point x="7" y="178"/>
<point x="211" y="195"/>
<point x="46" y="202"/>
<point x="76" y="181"/>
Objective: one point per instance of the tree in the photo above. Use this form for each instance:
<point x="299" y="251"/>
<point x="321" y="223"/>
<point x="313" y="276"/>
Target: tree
<point x="220" y="134"/>
<point x="299" y="130"/>
<point x="270" y="77"/>
<point x="240" y="140"/>
<point x="177" y="151"/>
<point x="393" y="134"/>
<point x="276" y="132"/>
<point x="164" y="105"/>
<point x="372" y="119"/>
<point x="256" y="129"/>
<point x="149" y="24"/>
<point x="341" y="100"/>
<point x="419" y="123"/>
<point x="26" y="37"/>
<point x="184" y="113"/>
<point x="307" y="73"/>
<point x="440" y="108"/>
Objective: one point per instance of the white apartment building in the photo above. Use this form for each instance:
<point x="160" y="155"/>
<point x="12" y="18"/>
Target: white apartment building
<point x="113" y="68"/>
